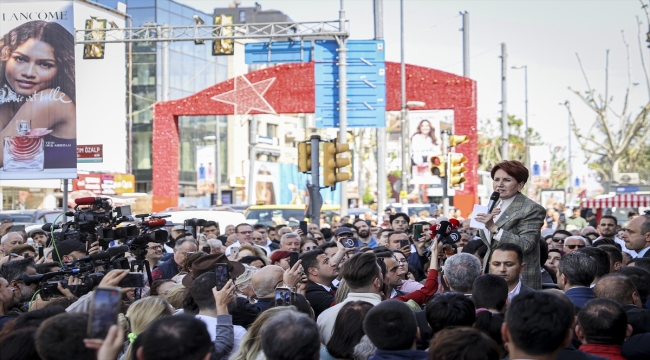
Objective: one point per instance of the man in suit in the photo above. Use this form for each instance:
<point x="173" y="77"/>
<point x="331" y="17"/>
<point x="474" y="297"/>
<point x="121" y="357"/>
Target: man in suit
<point x="507" y="262"/>
<point x="516" y="219"/>
<point x="320" y="274"/>
<point x="637" y="235"/>
<point x="575" y="273"/>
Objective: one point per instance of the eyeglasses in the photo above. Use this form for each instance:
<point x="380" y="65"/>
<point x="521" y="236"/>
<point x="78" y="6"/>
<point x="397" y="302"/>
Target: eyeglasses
<point x="574" y="246"/>
<point x="558" y="240"/>
<point x="245" y="232"/>
<point x="308" y="248"/>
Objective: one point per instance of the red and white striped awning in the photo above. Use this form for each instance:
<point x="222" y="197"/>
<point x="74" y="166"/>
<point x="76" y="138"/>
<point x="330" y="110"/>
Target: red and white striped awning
<point x="623" y="201"/>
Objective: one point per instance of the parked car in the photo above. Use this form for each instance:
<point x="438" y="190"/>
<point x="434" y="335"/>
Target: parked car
<point x="32" y="216"/>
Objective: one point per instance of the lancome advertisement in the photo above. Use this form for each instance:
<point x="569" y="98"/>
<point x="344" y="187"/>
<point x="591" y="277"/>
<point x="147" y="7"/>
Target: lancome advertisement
<point x="37" y="90"/>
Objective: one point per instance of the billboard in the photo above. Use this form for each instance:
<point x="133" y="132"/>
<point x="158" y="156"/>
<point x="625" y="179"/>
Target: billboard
<point x="424" y="142"/>
<point x="37" y="90"/>
<point x="205" y="171"/>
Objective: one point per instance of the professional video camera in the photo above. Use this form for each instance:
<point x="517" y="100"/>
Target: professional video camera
<point x="49" y="289"/>
<point x="191" y="224"/>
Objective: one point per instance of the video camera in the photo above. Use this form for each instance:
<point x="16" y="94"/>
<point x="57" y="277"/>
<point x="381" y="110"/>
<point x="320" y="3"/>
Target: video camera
<point x="49" y="289"/>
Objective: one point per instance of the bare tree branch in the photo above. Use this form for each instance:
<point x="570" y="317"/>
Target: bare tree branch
<point x="590" y="90"/>
<point x="641" y="50"/>
<point x="629" y="79"/>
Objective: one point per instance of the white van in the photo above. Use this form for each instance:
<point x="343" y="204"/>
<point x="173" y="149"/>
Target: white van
<point x="224" y="218"/>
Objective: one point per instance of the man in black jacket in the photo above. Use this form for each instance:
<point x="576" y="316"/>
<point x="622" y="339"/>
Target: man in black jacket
<point x="320" y="273"/>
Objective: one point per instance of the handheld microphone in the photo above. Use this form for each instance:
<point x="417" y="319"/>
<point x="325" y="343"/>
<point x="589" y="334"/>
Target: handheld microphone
<point x="155" y="222"/>
<point x="112" y="251"/>
<point x="493" y="201"/>
<point x="87" y="200"/>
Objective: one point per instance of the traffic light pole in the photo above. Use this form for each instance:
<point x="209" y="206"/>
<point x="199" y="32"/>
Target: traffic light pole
<point x="343" y="102"/>
<point x="315" y="199"/>
<point x="445" y="180"/>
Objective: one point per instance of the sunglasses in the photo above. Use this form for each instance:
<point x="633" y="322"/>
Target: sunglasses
<point x="574" y="246"/>
<point x="558" y="240"/>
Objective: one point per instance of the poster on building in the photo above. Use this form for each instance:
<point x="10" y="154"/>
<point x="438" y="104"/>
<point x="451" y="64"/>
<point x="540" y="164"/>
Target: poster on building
<point x="205" y="169"/>
<point x="424" y="142"/>
<point x="540" y="159"/>
<point x="37" y="90"/>
<point x="552" y="198"/>
<point x="266" y="183"/>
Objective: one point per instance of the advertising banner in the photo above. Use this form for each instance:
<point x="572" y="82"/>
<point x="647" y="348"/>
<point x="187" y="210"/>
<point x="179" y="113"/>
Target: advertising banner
<point x="205" y="169"/>
<point x="37" y="90"/>
<point x="424" y="142"/>
<point x="540" y="158"/>
<point x="266" y="182"/>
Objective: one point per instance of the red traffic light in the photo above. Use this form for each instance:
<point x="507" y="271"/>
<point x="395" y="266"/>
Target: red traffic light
<point x="435" y="160"/>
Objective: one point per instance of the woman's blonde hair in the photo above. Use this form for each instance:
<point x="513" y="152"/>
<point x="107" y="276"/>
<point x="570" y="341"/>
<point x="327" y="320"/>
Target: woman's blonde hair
<point x="342" y="292"/>
<point x="141" y="314"/>
<point x="257" y="251"/>
<point x="176" y="295"/>
<point x="251" y="344"/>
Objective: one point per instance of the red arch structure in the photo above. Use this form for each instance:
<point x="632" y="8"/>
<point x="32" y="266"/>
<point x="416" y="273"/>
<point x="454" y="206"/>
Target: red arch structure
<point x="292" y="91"/>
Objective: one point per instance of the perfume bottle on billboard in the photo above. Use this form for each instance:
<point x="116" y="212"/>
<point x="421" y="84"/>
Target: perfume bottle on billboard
<point x="25" y="151"/>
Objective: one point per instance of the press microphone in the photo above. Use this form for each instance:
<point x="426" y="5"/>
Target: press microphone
<point x="112" y="251"/>
<point x="87" y="200"/>
<point x="155" y="222"/>
<point x="493" y="201"/>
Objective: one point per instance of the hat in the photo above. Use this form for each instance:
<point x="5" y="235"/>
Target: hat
<point x="169" y="223"/>
<point x="178" y="228"/>
<point x="279" y="255"/>
<point x="206" y="263"/>
<point x="68" y="246"/>
<point x="343" y="230"/>
<point x="36" y="231"/>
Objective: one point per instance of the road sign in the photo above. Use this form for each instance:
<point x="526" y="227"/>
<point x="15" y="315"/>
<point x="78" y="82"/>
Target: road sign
<point x="402" y="194"/>
<point x="279" y="52"/>
<point x="627" y="189"/>
<point x="90" y="153"/>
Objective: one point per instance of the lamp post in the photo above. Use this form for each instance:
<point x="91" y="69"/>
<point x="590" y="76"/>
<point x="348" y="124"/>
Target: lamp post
<point x="526" y="152"/>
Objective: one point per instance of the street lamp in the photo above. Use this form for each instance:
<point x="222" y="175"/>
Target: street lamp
<point x="526" y="152"/>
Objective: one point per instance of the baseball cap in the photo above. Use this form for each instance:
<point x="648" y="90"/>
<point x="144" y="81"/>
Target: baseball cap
<point x="206" y="263"/>
<point x="343" y="230"/>
<point x="178" y="228"/>
<point x="36" y="231"/>
<point x="68" y="246"/>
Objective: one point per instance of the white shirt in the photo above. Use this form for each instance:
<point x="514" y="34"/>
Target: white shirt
<point x="327" y="318"/>
<point x="503" y="205"/>
<point x="211" y="325"/>
<point x="642" y="252"/>
<point x="515" y="291"/>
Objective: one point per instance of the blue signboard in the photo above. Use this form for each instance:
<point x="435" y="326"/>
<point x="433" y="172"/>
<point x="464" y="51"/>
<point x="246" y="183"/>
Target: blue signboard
<point x="279" y="52"/>
<point x="627" y="189"/>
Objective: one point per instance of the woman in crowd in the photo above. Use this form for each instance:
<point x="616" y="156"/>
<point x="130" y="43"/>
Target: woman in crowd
<point x="347" y="331"/>
<point x="251" y="347"/>
<point x="139" y="316"/>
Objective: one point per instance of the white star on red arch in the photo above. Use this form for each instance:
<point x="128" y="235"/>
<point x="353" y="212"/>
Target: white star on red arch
<point x="247" y="96"/>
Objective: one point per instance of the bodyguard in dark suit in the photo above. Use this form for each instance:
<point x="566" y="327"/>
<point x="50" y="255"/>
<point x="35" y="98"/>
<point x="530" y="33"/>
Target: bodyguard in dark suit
<point x="507" y="262"/>
<point x="576" y="272"/>
<point x="320" y="273"/>
<point x="516" y="219"/>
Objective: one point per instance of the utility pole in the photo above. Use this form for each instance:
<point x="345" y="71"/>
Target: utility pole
<point x="570" y="182"/>
<point x="252" y="131"/>
<point x="465" y="31"/>
<point x="381" y="131"/>
<point x="444" y="135"/>
<point x="343" y="103"/>
<point x="217" y="164"/>
<point x="315" y="199"/>
<point x="504" y="103"/>
<point x="403" y="123"/>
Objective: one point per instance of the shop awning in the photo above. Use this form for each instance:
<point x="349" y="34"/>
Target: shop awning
<point x="623" y="201"/>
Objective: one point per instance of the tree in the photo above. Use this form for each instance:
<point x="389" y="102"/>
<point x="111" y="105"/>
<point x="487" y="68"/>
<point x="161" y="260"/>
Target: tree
<point x="489" y="148"/>
<point x="625" y="132"/>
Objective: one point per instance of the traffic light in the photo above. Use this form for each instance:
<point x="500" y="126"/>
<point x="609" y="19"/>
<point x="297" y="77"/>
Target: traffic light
<point x="457" y="169"/>
<point x="304" y="157"/>
<point x="438" y="166"/>
<point x="455" y="140"/>
<point x="331" y="163"/>
<point x="223" y="47"/>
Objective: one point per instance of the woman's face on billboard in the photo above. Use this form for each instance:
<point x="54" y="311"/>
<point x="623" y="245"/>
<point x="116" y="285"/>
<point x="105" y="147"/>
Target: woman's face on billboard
<point x="425" y="127"/>
<point x="31" y="67"/>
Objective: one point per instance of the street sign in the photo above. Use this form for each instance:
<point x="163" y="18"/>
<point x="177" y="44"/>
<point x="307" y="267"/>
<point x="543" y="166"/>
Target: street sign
<point x="627" y="189"/>
<point x="279" y="52"/>
<point x="90" y="153"/>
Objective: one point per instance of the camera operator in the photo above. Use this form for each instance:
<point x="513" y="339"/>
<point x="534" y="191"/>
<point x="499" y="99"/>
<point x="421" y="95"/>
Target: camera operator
<point x="177" y="231"/>
<point x="172" y="267"/>
<point x="154" y="254"/>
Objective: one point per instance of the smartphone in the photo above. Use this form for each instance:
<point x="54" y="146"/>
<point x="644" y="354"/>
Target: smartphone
<point x="104" y="308"/>
<point x="293" y="258"/>
<point x="417" y="232"/>
<point x="132" y="280"/>
<point x="18" y="228"/>
<point x="403" y="243"/>
<point x="206" y="249"/>
<point x="222" y="274"/>
<point x="350" y="243"/>
<point x="303" y="227"/>
<point x="40" y="251"/>
<point x="234" y="251"/>
<point x="283" y="296"/>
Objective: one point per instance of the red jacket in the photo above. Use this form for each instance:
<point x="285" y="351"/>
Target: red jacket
<point x="612" y="352"/>
<point x="423" y="295"/>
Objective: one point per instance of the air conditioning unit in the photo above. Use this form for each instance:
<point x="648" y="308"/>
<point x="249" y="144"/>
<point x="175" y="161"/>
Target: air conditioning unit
<point x="295" y="135"/>
<point x="627" y="178"/>
<point x="290" y="135"/>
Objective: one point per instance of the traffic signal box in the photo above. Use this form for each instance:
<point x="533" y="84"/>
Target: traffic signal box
<point x="438" y="166"/>
<point x="304" y="157"/>
<point x="332" y="163"/>
<point x="457" y="169"/>
<point x="455" y="140"/>
<point x="223" y="47"/>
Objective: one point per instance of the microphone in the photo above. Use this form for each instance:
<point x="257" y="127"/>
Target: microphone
<point x="87" y="200"/>
<point x="48" y="227"/>
<point x="493" y="201"/>
<point x="112" y="251"/>
<point x="155" y="222"/>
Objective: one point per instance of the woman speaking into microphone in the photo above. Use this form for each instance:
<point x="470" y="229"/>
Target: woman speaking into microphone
<point x="515" y="219"/>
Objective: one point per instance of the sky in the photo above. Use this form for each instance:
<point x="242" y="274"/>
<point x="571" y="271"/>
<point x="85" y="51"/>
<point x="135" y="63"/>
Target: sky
<point x="543" y="35"/>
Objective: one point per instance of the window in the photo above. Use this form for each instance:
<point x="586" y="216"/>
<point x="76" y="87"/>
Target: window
<point x="271" y="130"/>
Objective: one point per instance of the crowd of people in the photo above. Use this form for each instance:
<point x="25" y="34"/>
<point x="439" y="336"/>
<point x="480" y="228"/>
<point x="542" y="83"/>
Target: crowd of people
<point x="514" y="288"/>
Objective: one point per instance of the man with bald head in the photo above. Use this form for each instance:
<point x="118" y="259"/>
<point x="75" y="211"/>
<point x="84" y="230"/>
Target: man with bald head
<point x="621" y="289"/>
<point x="264" y="283"/>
